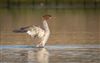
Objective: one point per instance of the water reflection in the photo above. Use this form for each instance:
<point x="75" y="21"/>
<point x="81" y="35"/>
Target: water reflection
<point x="42" y="55"/>
<point x="52" y="54"/>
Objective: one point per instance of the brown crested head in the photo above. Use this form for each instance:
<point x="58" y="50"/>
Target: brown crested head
<point x="46" y="17"/>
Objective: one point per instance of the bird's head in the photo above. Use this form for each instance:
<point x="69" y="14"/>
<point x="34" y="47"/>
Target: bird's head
<point x="46" y="17"/>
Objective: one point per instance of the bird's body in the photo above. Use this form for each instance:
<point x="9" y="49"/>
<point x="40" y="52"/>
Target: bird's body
<point x="42" y="34"/>
<point x="35" y="31"/>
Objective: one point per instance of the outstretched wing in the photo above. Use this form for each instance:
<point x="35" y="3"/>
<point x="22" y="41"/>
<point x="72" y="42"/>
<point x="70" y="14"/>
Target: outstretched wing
<point x="19" y="31"/>
<point x="22" y="29"/>
<point x="34" y="31"/>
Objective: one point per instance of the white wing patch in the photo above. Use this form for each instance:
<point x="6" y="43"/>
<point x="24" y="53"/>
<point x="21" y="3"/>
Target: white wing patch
<point x="36" y="31"/>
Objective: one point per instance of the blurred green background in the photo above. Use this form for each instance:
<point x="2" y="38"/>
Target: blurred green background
<point x="75" y="22"/>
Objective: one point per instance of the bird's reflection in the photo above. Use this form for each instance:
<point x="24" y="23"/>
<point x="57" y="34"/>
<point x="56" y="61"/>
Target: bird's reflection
<point x="42" y="55"/>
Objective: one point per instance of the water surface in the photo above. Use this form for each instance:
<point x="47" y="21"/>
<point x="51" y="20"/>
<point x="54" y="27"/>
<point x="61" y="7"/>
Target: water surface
<point x="50" y="54"/>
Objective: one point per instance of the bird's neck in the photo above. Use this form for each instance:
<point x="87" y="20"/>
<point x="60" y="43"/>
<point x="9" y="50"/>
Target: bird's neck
<point x="45" y="20"/>
<point x="45" y="25"/>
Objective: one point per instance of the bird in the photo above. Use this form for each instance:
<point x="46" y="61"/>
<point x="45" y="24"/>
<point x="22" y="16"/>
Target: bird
<point x="36" y="31"/>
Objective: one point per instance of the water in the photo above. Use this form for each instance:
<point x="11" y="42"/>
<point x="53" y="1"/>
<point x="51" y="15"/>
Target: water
<point x="50" y="54"/>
